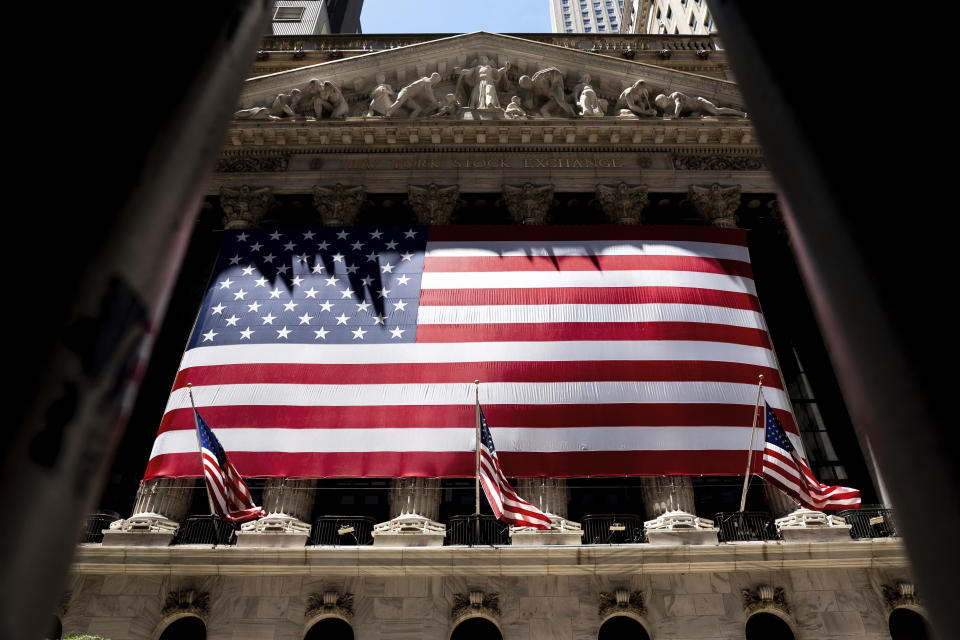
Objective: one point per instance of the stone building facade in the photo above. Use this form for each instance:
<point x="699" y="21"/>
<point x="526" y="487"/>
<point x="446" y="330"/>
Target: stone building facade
<point x="380" y="137"/>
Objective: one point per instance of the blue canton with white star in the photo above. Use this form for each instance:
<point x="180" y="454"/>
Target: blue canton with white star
<point x="209" y="441"/>
<point x="485" y="438"/>
<point x="775" y="433"/>
<point x="330" y="285"/>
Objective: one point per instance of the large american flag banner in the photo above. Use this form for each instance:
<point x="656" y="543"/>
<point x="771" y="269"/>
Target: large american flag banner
<point x="351" y="352"/>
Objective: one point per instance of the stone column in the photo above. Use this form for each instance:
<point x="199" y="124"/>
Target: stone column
<point x="160" y="506"/>
<point x="415" y="507"/>
<point x="779" y="503"/>
<point x="668" y="501"/>
<point x="551" y="496"/>
<point x="622" y="203"/>
<point x="245" y="207"/>
<point x="289" y="505"/>
<point x="433" y="204"/>
<point x="716" y="204"/>
<point x="528" y="203"/>
<point x="339" y="205"/>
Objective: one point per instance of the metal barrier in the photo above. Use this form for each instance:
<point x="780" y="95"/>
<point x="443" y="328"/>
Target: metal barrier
<point x="737" y="526"/>
<point x="476" y="530"/>
<point x="342" y="530"/>
<point x="95" y="523"/>
<point x="614" y="528"/>
<point x="870" y="521"/>
<point x="205" y="530"/>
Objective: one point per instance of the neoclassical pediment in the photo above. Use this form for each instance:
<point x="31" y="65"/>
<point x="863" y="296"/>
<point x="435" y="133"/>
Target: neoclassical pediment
<point x="484" y="76"/>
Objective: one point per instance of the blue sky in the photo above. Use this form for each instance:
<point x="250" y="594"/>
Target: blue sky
<point x="455" y="16"/>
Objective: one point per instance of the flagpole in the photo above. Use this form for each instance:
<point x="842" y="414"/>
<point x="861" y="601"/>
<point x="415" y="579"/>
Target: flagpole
<point x="196" y="432"/>
<point x="753" y="431"/>
<point x="476" y="470"/>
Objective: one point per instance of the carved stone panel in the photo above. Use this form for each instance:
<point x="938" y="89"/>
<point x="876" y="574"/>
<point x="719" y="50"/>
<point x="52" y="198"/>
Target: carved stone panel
<point x="622" y="203"/>
<point x="622" y="601"/>
<point x="245" y="207"/>
<point x="716" y="204"/>
<point x="252" y="164"/>
<point x="329" y="603"/>
<point x="187" y="601"/>
<point x="764" y="597"/>
<point x="528" y="203"/>
<point x="475" y="602"/>
<point x="338" y="205"/>
<point x="433" y="204"/>
<point x="900" y="594"/>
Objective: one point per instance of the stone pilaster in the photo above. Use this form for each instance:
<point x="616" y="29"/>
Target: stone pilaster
<point x="160" y="506"/>
<point x="433" y="204"/>
<point x="415" y="507"/>
<point x="528" y="203"/>
<point x="245" y="207"/>
<point x="289" y="505"/>
<point x="339" y="205"/>
<point x="622" y="203"/>
<point x="551" y="496"/>
<point x="779" y="503"/>
<point x="716" y="204"/>
<point x="668" y="501"/>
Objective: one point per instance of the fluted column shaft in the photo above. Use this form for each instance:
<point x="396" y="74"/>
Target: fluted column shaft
<point x="169" y="497"/>
<point x="420" y="496"/>
<point x="550" y="495"/>
<point x="667" y="493"/>
<point x="290" y="496"/>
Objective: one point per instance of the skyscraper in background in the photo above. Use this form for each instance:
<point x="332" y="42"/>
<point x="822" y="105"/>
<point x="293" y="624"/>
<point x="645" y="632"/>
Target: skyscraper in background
<point x="684" y="17"/>
<point x="315" y="17"/>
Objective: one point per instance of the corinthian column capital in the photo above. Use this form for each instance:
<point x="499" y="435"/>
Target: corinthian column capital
<point x="338" y="205"/>
<point x="622" y="203"/>
<point x="716" y="204"/>
<point x="245" y="207"/>
<point x="528" y="203"/>
<point x="433" y="204"/>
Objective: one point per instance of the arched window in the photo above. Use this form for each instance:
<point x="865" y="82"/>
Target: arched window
<point x="476" y="629"/>
<point x="906" y="624"/>
<point x="330" y="629"/>
<point x="622" y="628"/>
<point x="767" y="626"/>
<point x="187" y="628"/>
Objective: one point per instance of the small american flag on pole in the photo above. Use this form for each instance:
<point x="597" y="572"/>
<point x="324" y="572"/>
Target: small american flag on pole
<point x="787" y="470"/>
<point x="506" y="504"/>
<point x="229" y="495"/>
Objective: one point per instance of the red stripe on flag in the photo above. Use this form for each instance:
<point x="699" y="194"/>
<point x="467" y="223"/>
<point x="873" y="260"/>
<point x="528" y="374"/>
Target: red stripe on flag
<point x="588" y="263"/>
<point x="569" y="331"/>
<point x="491" y="233"/>
<point x="590" y="295"/>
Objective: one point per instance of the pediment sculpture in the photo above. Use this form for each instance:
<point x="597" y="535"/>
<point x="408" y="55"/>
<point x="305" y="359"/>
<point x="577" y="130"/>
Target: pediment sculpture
<point x="484" y="91"/>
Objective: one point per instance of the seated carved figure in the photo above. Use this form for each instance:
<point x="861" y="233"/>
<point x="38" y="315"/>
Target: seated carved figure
<point x="283" y="105"/>
<point x="635" y="99"/>
<point x="680" y="104"/>
<point x="417" y="96"/>
<point x="543" y="92"/>
<point x="586" y="98"/>
<point x="381" y="97"/>
<point x="450" y="107"/>
<point x="515" y="109"/>
<point x="324" y="96"/>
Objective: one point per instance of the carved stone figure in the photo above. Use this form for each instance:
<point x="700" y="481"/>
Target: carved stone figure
<point x="283" y="105"/>
<point x="324" y="96"/>
<point x="680" y="104"/>
<point x="414" y="95"/>
<point x="543" y="92"/>
<point x="482" y="80"/>
<point x="329" y="603"/>
<point x="635" y="99"/>
<point x="586" y="98"/>
<point x="381" y="97"/>
<point x="515" y="109"/>
<point x="450" y="107"/>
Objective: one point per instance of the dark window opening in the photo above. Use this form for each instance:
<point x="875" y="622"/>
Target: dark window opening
<point x="908" y="625"/>
<point x="619" y="627"/>
<point x="476" y="629"/>
<point x="767" y="626"/>
<point x="189" y="628"/>
<point x="330" y="629"/>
